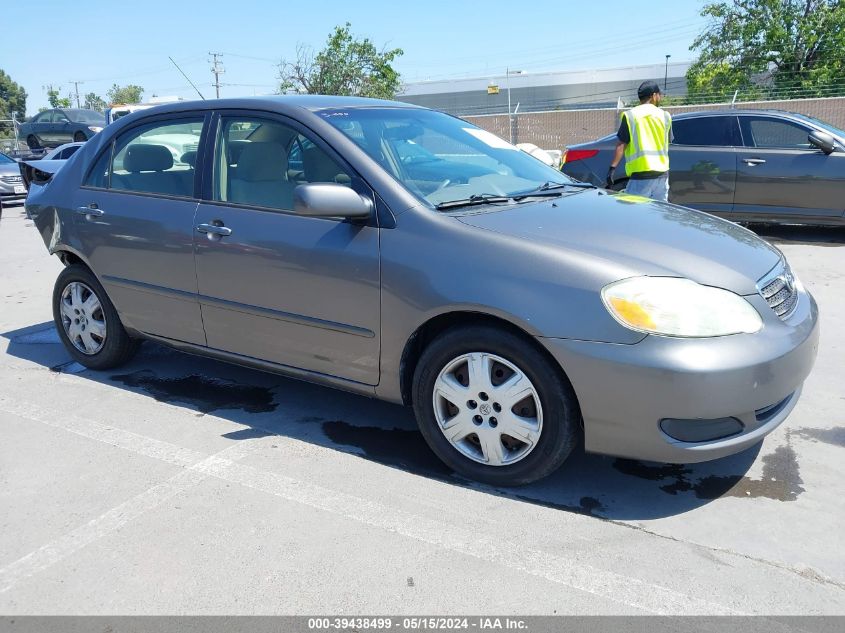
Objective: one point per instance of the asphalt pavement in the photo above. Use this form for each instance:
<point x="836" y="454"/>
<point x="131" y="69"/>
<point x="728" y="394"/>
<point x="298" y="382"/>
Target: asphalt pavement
<point x="182" y="485"/>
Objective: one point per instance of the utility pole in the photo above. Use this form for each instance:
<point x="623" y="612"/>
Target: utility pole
<point x="666" y="74"/>
<point x="217" y="70"/>
<point x="76" y="89"/>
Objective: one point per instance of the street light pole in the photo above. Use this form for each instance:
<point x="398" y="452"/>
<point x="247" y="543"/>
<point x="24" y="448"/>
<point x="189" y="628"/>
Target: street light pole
<point x="666" y="73"/>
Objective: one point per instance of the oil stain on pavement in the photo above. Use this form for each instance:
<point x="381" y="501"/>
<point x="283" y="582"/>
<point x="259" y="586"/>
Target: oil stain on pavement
<point x="834" y="436"/>
<point x="781" y="479"/>
<point x="206" y="394"/>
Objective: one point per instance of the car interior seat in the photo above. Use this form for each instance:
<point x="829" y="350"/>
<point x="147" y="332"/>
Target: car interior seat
<point x="149" y="170"/>
<point x="261" y="178"/>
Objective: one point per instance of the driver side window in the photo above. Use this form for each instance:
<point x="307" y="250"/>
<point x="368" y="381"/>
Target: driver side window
<point x="260" y="162"/>
<point x="775" y="133"/>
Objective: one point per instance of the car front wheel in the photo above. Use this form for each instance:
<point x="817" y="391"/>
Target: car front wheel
<point x="493" y="407"/>
<point x="79" y="137"/>
<point x="88" y="324"/>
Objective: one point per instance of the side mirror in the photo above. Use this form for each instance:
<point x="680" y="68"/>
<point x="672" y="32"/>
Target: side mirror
<point x="823" y="141"/>
<point x="330" y="200"/>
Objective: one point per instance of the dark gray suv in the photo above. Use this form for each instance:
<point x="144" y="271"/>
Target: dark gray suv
<point x="404" y="254"/>
<point x="744" y="165"/>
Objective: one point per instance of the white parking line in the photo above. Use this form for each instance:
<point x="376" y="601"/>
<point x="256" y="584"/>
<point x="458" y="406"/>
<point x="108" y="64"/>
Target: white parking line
<point x="140" y="444"/>
<point x="566" y="571"/>
<point x="117" y="517"/>
<point x="570" y="572"/>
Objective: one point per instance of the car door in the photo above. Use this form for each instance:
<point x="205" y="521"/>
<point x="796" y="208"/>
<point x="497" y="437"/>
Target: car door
<point x="297" y="291"/>
<point x="40" y="126"/>
<point x="702" y="162"/>
<point x="782" y="176"/>
<point x="61" y="131"/>
<point x="134" y="223"/>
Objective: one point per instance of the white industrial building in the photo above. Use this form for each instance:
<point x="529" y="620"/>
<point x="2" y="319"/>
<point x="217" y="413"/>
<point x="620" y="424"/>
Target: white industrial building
<point x="534" y="92"/>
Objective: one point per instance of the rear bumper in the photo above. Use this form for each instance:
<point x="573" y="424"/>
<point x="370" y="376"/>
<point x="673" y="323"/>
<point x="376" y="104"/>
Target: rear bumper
<point x="626" y="391"/>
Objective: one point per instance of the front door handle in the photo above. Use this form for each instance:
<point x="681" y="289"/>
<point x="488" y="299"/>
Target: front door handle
<point x="91" y="211"/>
<point x="753" y="161"/>
<point x="214" y="231"/>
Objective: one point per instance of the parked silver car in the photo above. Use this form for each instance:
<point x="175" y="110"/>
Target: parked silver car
<point x="11" y="184"/>
<point x="513" y="308"/>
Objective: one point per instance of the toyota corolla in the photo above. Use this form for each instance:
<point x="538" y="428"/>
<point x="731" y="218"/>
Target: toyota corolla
<point x="513" y="308"/>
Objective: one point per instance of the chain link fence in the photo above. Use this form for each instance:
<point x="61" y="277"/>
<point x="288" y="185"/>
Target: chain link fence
<point x="561" y="128"/>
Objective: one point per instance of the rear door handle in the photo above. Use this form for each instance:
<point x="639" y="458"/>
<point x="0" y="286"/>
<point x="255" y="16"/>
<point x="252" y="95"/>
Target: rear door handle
<point x="90" y="211"/>
<point x="213" y="230"/>
<point x="753" y="161"/>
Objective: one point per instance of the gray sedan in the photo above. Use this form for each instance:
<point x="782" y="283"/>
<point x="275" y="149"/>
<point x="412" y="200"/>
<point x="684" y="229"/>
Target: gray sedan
<point x="513" y="308"/>
<point x="744" y="165"/>
<point x="61" y="125"/>
<point x="12" y="186"/>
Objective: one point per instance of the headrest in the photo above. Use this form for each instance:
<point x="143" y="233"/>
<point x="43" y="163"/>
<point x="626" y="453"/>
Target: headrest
<point x="263" y="161"/>
<point x="190" y="158"/>
<point x="143" y="157"/>
<point x="234" y="149"/>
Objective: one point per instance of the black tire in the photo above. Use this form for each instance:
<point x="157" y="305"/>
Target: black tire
<point x="79" y="137"/>
<point x="561" y="415"/>
<point x="32" y="142"/>
<point x="117" y="346"/>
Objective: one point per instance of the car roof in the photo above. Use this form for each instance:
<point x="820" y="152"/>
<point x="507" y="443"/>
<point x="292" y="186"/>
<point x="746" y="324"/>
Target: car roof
<point x="282" y="102"/>
<point x="734" y="111"/>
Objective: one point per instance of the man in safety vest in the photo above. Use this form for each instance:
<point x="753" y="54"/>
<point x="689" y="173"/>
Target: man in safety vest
<point x="643" y="137"/>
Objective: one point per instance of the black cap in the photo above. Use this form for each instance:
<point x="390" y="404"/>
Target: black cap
<point x="647" y="88"/>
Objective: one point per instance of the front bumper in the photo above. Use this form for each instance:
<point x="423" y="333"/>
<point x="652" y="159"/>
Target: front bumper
<point x="625" y="391"/>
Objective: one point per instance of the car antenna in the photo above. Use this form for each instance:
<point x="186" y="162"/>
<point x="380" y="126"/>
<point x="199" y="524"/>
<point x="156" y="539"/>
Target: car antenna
<point x="186" y="77"/>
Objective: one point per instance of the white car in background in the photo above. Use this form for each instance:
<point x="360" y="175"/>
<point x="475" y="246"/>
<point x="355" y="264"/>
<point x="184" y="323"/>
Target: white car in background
<point x="551" y="157"/>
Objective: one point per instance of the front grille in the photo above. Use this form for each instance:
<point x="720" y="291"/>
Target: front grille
<point x="779" y="290"/>
<point x="12" y="180"/>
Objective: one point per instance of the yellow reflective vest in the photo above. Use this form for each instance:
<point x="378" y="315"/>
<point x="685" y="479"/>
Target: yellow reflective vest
<point x="650" y="129"/>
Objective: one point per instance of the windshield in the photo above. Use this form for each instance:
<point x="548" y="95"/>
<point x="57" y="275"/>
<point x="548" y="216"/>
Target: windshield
<point x="86" y="116"/>
<point x="5" y="159"/>
<point x="824" y="125"/>
<point x="440" y="158"/>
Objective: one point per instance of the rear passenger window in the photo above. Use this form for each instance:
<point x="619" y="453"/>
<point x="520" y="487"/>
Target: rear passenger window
<point x="260" y="162"/>
<point x="158" y="158"/>
<point x="720" y="131"/>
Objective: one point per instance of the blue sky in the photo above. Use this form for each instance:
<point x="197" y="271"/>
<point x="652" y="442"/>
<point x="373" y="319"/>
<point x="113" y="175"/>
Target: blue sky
<point x="101" y="43"/>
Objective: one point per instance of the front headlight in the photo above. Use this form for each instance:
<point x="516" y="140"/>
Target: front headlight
<point x="679" y="307"/>
<point x="95" y="128"/>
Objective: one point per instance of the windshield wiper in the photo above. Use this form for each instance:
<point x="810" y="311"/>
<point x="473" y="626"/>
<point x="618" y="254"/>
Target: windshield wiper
<point x="475" y="199"/>
<point x="548" y="189"/>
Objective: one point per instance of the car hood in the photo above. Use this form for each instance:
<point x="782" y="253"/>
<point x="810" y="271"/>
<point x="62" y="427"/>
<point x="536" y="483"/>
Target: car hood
<point x="641" y="236"/>
<point x="9" y="169"/>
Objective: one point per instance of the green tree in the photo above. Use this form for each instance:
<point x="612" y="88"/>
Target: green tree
<point x="771" y="48"/>
<point x="12" y="98"/>
<point x="94" y="102"/>
<point x="55" y="100"/>
<point x="346" y="66"/>
<point x="125" y="94"/>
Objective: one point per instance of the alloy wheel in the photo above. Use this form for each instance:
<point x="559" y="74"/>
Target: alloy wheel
<point x="83" y="318"/>
<point x="488" y="409"/>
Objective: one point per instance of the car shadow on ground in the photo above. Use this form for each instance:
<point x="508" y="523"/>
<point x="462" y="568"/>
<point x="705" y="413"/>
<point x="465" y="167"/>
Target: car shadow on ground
<point x="594" y="485"/>
<point x="807" y="235"/>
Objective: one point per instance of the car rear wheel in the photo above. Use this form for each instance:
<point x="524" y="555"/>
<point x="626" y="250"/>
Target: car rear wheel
<point x="493" y="407"/>
<point x="88" y="324"/>
<point x="32" y="142"/>
<point x="79" y="137"/>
